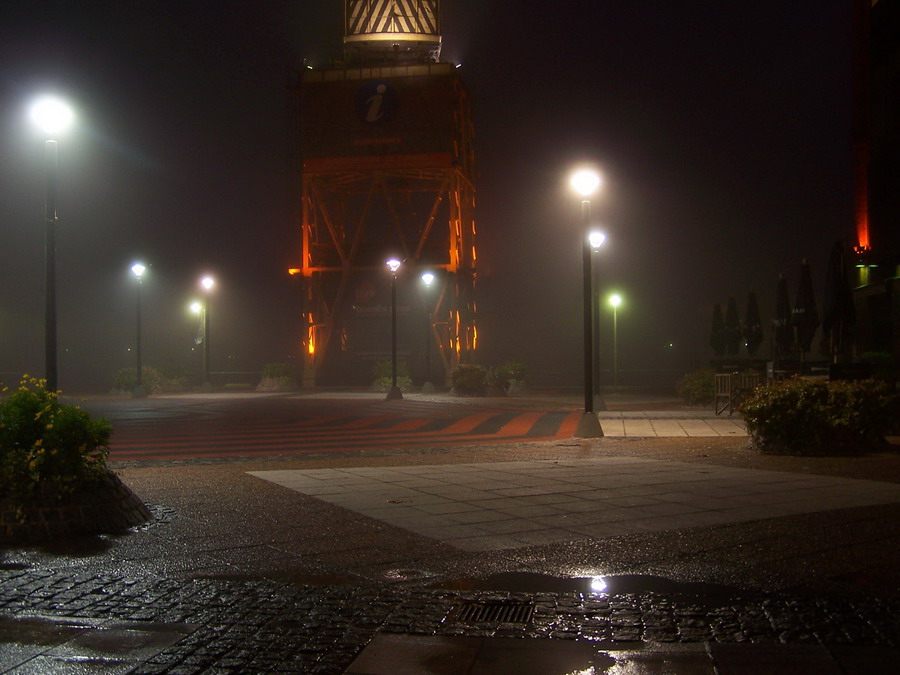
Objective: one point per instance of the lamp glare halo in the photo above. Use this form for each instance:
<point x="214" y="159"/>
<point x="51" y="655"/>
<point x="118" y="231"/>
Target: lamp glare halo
<point x="52" y="114"/>
<point x="596" y="239"/>
<point x="585" y="182"/>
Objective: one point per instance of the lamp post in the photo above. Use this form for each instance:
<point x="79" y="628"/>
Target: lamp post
<point x="207" y="284"/>
<point x="427" y="386"/>
<point x="615" y="300"/>
<point x="596" y="240"/>
<point x="585" y="182"/>
<point x="139" y="392"/>
<point x="394" y="392"/>
<point x="52" y="116"/>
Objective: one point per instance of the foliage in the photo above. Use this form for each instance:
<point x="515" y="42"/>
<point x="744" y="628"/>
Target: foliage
<point x="46" y="446"/>
<point x="806" y="417"/>
<point x="154" y="381"/>
<point x="277" y="377"/>
<point x="497" y="380"/>
<point x="514" y="370"/>
<point x="697" y="388"/>
<point x="279" y="370"/>
<point x="469" y="379"/>
<point x="383" y="380"/>
<point x="382" y="369"/>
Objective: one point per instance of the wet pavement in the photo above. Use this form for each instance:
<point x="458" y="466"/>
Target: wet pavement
<point x="383" y="564"/>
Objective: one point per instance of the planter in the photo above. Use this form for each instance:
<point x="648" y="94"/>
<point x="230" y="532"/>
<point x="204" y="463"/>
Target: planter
<point x="106" y="506"/>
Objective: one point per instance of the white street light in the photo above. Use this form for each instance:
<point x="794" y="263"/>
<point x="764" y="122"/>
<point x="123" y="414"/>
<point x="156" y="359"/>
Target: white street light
<point x="596" y="239"/>
<point x="51" y="115"/>
<point x="207" y="283"/>
<point x="394" y="393"/>
<point x="139" y="392"/>
<point x="428" y="279"/>
<point x="585" y="182"/>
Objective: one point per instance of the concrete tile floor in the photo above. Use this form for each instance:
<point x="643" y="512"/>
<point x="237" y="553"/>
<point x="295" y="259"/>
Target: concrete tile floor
<point x="500" y="505"/>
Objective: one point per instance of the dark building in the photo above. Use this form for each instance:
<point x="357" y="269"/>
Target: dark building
<point x="877" y="150"/>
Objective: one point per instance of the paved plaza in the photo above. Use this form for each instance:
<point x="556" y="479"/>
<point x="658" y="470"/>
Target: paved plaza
<point x="500" y="505"/>
<point x="670" y="547"/>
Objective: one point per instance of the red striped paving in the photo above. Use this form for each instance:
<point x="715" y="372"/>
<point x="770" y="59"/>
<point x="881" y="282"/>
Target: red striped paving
<point x="230" y="437"/>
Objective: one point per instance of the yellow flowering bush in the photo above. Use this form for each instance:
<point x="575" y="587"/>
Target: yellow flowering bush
<point x="45" y="445"/>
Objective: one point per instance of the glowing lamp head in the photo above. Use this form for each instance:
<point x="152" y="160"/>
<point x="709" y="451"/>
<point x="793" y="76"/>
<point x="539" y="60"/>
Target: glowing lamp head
<point x="428" y="278"/>
<point x="393" y="264"/>
<point x="52" y="115"/>
<point x="615" y="300"/>
<point x="196" y="307"/>
<point x="207" y="283"/>
<point x="596" y="239"/>
<point x="585" y="182"/>
<point x="138" y="270"/>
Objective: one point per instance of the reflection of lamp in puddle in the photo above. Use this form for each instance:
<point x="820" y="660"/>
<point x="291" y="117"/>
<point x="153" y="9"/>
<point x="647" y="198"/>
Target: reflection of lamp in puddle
<point x="598" y="584"/>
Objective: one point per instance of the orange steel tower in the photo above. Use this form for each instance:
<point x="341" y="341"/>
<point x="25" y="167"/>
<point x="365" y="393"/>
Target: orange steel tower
<point x="387" y="171"/>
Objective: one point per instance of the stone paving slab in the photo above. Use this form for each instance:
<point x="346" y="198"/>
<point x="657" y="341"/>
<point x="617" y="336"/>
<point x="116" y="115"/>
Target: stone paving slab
<point x="390" y="654"/>
<point x="500" y="505"/>
<point x="660" y="424"/>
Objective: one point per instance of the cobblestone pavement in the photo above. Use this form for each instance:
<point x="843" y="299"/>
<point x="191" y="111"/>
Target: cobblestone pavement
<point x="264" y="626"/>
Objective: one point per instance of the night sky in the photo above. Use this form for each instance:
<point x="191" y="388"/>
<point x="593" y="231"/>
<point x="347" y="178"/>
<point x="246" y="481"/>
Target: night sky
<point x="722" y="130"/>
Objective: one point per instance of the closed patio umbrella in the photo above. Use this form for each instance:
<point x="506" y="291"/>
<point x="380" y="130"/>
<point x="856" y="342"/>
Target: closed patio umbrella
<point x="839" y="313"/>
<point x="732" y="328"/>
<point x="753" y="330"/>
<point x="718" y="338"/>
<point x="805" y="317"/>
<point x="781" y="321"/>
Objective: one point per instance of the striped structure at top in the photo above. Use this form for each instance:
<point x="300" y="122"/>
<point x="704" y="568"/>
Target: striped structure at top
<point x="412" y="17"/>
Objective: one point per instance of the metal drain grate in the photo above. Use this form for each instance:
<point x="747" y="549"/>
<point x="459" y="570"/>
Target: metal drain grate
<point x="494" y="612"/>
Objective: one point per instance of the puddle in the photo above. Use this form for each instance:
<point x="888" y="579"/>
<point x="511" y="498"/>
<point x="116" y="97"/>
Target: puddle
<point x="40" y="631"/>
<point x="530" y="582"/>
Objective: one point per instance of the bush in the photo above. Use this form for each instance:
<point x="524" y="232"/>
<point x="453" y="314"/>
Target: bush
<point x="805" y="417"/>
<point x="697" y="388"/>
<point x="48" y="447"/>
<point x="497" y="380"/>
<point x="278" y="377"/>
<point x="469" y="379"/>
<point x="382" y="373"/>
<point x="279" y="370"/>
<point x="154" y="381"/>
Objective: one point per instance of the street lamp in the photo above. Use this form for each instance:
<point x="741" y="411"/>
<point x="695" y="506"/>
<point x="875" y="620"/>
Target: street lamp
<point x="596" y="239"/>
<point x="427" y="280"/>
<point x="207" y="284"/>
<point x="52" y="116"/>
<point x="615" y="300"/>
<point x="585" y="182"/>
<point x="394" y="392"/>
<point x="139" y="392"/>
